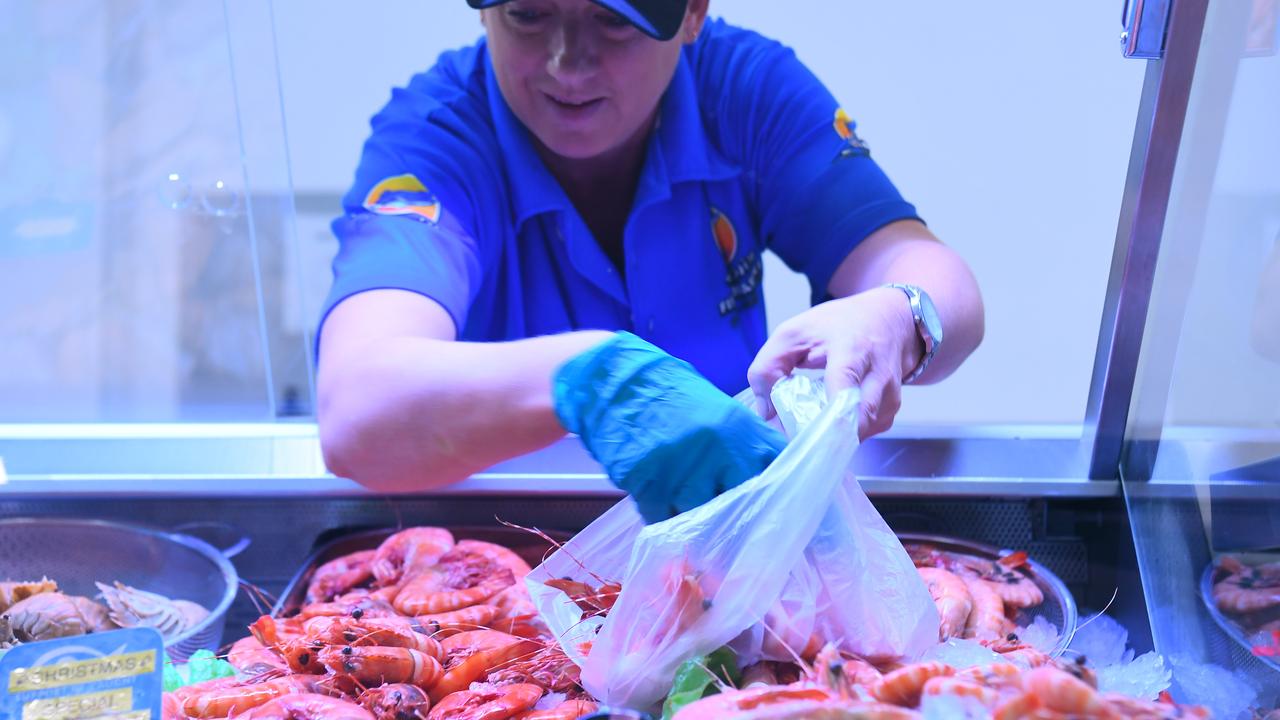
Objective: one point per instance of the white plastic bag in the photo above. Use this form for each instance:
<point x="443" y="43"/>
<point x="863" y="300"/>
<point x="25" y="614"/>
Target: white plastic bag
<point x="798" y="549"/>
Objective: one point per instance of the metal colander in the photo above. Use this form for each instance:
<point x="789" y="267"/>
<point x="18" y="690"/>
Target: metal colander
<point x="1059" y="606"/>
<point x="75" y="553"/>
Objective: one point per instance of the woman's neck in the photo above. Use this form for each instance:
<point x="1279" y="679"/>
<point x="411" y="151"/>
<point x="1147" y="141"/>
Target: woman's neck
<point x="603" y="188"/>
<point x="607" y="179"/>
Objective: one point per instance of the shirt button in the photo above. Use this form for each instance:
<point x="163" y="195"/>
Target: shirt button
<point x="650" y="324"/>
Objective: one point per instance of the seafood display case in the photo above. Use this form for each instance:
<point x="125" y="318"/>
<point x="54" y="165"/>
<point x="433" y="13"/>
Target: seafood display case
<point x="1151" y="534"/>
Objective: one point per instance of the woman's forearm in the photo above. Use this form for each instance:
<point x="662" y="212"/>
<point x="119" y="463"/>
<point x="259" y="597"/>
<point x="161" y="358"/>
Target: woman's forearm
<point x="414" y="413"/>
<point x="907" y="252"/>
<point x="939" y="271"/>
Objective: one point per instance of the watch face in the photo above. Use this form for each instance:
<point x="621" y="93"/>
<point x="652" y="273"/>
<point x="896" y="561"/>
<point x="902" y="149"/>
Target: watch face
<point x="932" y="322"/>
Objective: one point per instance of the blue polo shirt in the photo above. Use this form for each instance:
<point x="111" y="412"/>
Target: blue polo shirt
<point x="749" y="154"/>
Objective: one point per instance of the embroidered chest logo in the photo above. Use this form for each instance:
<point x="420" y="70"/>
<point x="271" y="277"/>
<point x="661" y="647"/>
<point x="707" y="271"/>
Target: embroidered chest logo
<point x="742" y="274"/>
<point x="403" y="195"/>
<point x="854" y="145"/>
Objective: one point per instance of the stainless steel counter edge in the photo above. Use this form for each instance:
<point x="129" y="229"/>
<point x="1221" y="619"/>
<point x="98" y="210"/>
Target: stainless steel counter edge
<point x="503" y="484"/>
<point x="283" y="459"/>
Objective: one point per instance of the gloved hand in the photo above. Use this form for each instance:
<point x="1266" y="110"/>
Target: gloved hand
<point x="665" y="434"/>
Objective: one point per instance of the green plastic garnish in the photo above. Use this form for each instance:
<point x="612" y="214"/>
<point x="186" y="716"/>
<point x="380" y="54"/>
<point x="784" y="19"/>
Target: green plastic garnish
<point x="201" y="666"/>
<point x="699" y="677"/>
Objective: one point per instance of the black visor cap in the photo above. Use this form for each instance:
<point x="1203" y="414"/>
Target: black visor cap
<point x="659" y="19"/>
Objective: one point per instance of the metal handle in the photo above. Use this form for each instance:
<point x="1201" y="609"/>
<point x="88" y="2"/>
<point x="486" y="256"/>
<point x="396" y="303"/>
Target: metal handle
<point x="1145" y="23"/>
<point x="224" y="537"/>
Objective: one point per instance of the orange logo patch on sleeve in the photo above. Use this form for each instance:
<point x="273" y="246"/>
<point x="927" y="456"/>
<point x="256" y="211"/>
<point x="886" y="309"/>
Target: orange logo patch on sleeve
<point x="841" y="124"/>
<point x="403" y="195"/>
<point x="844" y="128"/>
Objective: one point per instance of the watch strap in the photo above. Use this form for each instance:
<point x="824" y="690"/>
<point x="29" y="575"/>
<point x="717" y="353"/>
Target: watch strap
<point x="914" y="296"/>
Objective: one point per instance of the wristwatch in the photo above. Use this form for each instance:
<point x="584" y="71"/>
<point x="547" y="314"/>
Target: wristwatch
<point x="928" y="325"/>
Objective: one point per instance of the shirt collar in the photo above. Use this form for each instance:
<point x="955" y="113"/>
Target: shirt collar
<point x="682" y="138"/>
<point x="680" y="150"/>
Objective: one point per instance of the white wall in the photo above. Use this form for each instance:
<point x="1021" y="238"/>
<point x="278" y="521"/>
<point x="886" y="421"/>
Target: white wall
<point x="1007" y="123"/>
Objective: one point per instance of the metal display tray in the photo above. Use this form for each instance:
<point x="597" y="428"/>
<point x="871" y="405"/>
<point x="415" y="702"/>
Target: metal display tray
<point x="527" y="545"/>
<point x="1229" y="626"/>
<point x="1059" y="606"/>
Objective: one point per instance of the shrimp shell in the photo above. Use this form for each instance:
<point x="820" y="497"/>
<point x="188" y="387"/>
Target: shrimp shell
<point x="961" y="687"/>
<point x="470" y="655"/>
<point x="407" y="552"/>
<point x="442" y="625"/>
<point x="513" y="601"/>
<point x="250" y="656"/>
<point x="385" y="631"/>
<point x="486" y="702"/>
<point x="381" y="665"/>
<point x="96" y="616"/>
<point x="1061" y="692"/>
<point x="307" y="706"/>
<point x="905" y="685"/>
<point x="341" y="575"/>
<point x="11" y="592"/>
<point x="1245" y="593"/>
<point x="496" y="553"/>
<point x="357" y="604"/>
<point x="7" y="640"/>
<point x="397" y="701"/>
<point x="760" y="702"/>
<point x="46" y="616"/>
<point x="131" y="607"/>
<point x="430" y="594"/>
<point x="548" y="668"/>
<point x="952" y="598"/>
<point x="986" y="620"/>
<point x="222" y="701"/>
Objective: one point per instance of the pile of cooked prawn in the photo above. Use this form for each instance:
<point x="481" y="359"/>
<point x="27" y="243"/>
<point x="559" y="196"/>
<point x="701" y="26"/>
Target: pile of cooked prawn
<point x="424" y="626"/>
<point x="837" y="686"/>
<point x="428" y="627"/>
<point x="977" y="598"/>
<point x="1249" y="594"/>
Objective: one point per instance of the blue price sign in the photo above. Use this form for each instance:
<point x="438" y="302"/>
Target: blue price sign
<point x="113" y="674"/>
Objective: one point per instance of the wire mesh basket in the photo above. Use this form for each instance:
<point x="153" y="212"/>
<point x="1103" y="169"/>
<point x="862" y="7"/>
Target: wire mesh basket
<point x="76" y="553"/>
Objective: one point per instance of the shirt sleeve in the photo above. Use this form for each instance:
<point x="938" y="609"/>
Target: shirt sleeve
<point x="817" y="191"/>
<point x="409" y="221"/>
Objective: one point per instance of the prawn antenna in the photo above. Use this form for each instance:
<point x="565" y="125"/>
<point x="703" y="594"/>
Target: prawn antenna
<point x="790" y="651"/>
<point x="1096" y="615"/>
<point x="556" y="544"/>
<point x="262" y="600"/>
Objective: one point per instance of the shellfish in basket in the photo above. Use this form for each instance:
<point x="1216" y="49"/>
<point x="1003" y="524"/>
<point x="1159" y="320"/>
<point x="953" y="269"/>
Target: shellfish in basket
<point x="7" y="640"/>
<point x="130" y="607"/>
<point x="49" y="615"/>
<point x="12" y="593"/>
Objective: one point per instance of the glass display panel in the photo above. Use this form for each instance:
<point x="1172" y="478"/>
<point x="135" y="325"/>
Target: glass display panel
<point x="144" y="211"/>
<point x="1202" y="469"/>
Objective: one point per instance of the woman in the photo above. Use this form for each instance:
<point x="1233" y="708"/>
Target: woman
<point x="591" y="167"/>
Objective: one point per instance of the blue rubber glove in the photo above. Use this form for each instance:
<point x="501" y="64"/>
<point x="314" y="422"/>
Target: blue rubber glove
<point x="665" y="435"/>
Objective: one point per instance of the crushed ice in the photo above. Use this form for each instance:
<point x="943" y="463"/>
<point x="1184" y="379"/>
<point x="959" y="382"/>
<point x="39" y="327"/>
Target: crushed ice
<point x="1227" y="696"/>
<point x="961" y="654"/>
<point x="1041" y="635"/>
